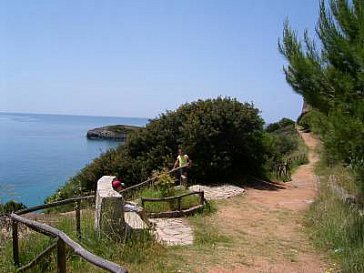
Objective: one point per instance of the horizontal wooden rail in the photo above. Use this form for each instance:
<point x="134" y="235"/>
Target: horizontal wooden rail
<point x="78" y="249"/>
<point x="38" y="258"/>
<point x="178" y="198"/>
<point x="54" y="204"/>
<point x="149" y="180"/>
<point x="169" y="198"/>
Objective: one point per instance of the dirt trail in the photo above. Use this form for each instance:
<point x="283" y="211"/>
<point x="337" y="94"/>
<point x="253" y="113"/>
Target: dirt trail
<point x="266" y="227"/>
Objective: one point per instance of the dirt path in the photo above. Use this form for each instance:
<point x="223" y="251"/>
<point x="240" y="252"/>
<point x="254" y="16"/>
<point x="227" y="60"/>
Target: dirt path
<point x="266" y="227"/>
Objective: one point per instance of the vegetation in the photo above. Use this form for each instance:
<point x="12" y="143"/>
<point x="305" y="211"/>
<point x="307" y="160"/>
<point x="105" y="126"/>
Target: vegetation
<point x="331" y="79"/>
<point x="11" y="206"/>
<point x="222" y="136"/>
<point x="163" y="186"/>
<point x="138" y="252"/>
<point x="116" y="132"/>
<point x="164" y="182"/>
<point x="336" y="226"/>
<point x="283" y="147"/>
<point x="129" y="253"/>
<point x="186" y="202"/>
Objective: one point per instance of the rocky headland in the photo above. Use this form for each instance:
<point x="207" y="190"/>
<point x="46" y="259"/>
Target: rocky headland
<point x="112" y="132"/>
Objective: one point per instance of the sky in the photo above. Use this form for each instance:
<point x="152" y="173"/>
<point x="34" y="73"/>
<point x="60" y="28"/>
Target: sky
<point x="139" y="58"/>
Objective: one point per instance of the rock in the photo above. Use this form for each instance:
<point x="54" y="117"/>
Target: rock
<point x="112" y="132"/>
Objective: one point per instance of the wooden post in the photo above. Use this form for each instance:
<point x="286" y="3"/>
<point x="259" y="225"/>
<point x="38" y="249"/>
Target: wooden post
<point x="179" y="199"/>
<point x="202" y="196"/>
<point x="78" y="219"/>
<point x="61" y="257"/>
<point x="15" y="242"/>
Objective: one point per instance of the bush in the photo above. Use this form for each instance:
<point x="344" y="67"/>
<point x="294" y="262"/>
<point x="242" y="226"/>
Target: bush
<point x="281" y="139"/>
<point x="164" y="182"/>
<point x="11" y="206"/>
<point x="223" y="137"/>
<point x="284" y="146"/>
<point x="283" y="124"/>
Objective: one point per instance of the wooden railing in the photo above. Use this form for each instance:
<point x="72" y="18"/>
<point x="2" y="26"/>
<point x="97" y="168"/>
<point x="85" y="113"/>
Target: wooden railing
<point x="62" y="240"/>
<point x="179" y="203"/>
<point x="149" y="180"/>
<point x="282" y="169"/>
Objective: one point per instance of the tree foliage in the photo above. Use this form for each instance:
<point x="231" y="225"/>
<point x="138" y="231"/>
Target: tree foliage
<point x="222" y="136"/>
<point x="282" y="139"/>
<point x="330" y="76"/>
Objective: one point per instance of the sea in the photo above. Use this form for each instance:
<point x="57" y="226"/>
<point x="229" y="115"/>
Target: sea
<point x="40" y="152"/>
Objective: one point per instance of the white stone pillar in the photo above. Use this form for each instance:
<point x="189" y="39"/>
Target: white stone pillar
<point x="109" y="215"/>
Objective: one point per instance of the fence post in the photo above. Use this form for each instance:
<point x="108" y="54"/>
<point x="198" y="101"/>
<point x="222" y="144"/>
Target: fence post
<point x="61" y="257"/>
<point x="78" y="218"/>
<point x="179" y="199"/>
<point x="202" y="196"/>
<point x="14" y="225"/>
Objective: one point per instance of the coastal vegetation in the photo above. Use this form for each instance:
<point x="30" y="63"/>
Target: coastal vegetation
<point x="330" y="78"/>
<point x="223" y="137"/>
<point x="226" y="139"/>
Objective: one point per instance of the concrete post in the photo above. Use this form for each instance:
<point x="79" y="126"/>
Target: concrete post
<point x="109" y="215"/>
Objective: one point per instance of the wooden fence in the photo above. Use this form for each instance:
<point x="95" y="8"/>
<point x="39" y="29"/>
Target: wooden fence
<point x="62" y="240"/>
<point x="282" y="169"/>
<point x="179" y="210"/>
<point x="148" y="181"/>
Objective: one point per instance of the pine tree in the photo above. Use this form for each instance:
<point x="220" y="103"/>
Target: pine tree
<point x="330" y="77"/>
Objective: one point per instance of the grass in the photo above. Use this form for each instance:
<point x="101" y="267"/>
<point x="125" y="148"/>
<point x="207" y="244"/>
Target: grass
<point x="337" y="227"/>
<point x="205" y="234"/>
<point x="138" y="252"/>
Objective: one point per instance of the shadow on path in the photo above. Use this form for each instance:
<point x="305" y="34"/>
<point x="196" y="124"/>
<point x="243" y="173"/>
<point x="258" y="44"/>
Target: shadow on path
<point x="260" y="184"/>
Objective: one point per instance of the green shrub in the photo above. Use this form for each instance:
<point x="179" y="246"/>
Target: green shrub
<point x="164" y="182"/>
<point x="11" y="206"/>
<point x="284" y="146"/>
<point x="223" y="137"/>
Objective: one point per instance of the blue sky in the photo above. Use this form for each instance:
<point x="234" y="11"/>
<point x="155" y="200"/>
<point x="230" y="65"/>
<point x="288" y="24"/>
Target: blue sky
<point x="141" y="58"/>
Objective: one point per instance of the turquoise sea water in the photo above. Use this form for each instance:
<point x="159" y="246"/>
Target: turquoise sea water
<point x="38" y="153"/>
